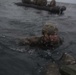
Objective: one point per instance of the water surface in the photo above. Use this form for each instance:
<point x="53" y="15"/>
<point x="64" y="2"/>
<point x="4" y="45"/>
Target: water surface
<point x="16" y="22"/>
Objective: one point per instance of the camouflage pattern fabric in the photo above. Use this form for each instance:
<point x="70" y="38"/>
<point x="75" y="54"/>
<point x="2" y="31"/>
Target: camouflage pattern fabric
<point x="53" y="41"/>
<point x="39" y="42"/>
<point x="50" y="69"/>
<point x="35" y="1"/>
<point x="40" y="2"/>
<point x="52" y="3"/>
<point x="67" y="59"/>
<point x="49" y="29"/>
<point x="26" y="1"/>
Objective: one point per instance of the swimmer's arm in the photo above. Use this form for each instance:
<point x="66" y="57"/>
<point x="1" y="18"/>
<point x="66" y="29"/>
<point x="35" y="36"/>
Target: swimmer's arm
<point x="29" y="41"/>
<point x="24" y="41"/>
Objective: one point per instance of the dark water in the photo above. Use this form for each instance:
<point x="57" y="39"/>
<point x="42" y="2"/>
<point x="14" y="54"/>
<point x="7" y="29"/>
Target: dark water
<point x="16" y="22"/>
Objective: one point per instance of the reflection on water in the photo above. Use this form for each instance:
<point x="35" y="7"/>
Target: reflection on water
<point x="16" y="22"/>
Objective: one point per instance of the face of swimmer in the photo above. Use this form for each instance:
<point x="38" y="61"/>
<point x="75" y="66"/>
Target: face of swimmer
<point x="52" y="37"/>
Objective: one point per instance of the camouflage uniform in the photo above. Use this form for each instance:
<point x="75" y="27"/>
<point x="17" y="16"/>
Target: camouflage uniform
<point x="50" y="69"/>
<point x="39" y="42"/>
<point x="67" y="59"/>
<point x="49" y="29"/>
<point x="52" y="3"/>
<point x="26" y="1"/>
<point x="40" y="2"/>
<point x="66" y="67"/>
<point x="42" y="41"/>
